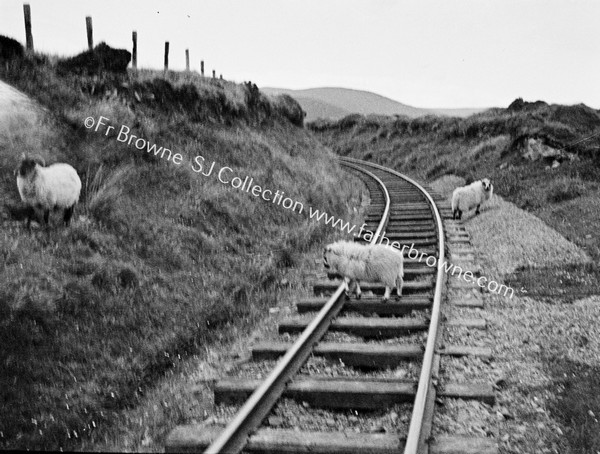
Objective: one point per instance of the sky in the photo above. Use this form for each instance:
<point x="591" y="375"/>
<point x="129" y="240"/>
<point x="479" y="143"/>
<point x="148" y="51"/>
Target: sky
<point x="426" y="53"/>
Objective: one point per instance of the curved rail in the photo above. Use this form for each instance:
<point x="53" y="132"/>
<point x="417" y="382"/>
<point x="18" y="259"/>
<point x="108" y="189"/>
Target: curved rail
<point x="413" y="439"/>
<point x="234" y="437"/>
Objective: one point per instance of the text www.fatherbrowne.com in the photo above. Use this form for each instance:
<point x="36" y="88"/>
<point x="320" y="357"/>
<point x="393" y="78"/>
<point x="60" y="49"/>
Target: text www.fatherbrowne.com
<point x="412" y="253"/>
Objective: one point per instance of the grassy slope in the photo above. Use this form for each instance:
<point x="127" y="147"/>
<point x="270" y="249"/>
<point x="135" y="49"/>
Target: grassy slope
<point x="566" y="198"/>
<point x="159" y="260"/>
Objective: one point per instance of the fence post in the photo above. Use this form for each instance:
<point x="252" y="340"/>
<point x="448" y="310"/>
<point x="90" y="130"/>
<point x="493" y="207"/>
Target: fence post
<point x="202" y="67"/>
<point x="134" y="53"/>
<point x="187" y="60"/>
<point x="221" y="76"/>
<point x="166" y="56"/>
<point x="90" y="32"/>
<point x="28" y="35"/>
<point x="214" y="74"/>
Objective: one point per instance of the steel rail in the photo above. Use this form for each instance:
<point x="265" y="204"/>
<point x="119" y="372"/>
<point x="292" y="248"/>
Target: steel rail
<point x="416" y="422"/>
<point x="234" y="437"/>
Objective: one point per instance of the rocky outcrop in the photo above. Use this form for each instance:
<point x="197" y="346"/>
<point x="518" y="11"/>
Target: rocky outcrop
<point x="10" y="48"/>
<point x="101" y="58"/>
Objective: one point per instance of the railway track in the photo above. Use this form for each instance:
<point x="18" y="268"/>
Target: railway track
<point x="359" y="360"/>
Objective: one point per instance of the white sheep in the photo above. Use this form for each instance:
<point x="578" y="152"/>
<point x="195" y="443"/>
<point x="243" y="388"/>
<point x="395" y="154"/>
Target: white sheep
<point x="471" y="196"/>
<point x="371" y="263"/>
<point x="48" y="188"/>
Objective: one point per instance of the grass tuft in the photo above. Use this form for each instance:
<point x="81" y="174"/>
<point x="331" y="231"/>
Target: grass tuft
<point x="565" y="189"/>
<point x="105" y="190"/>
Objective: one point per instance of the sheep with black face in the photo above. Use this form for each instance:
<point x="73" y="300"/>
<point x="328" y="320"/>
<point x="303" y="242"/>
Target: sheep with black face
<point x="471" y="196"/>
<point x="371" y="263"/>
<point x="47" y="188"/>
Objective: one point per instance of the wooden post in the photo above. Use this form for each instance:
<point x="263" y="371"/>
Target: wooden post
<point x="28" y="35"/>
<point x="90" y="32"/>
<point x="166" y="56"/>
<point x="202" y="68"/>
<point x="134" y="53"/>
<point x="187" y="59"/>
<point x="221" y="76"/>
<point x="214" y="74"/>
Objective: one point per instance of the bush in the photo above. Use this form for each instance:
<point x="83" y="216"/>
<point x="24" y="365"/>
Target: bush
<point x="565" y="189"/>
<point x="105" y="191"/>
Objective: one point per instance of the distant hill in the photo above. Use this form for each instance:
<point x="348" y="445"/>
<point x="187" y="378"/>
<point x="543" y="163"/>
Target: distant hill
<point x="335" y="103"/>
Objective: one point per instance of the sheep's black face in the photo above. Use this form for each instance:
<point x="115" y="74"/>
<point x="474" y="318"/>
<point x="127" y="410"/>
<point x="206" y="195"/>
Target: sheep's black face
<point x="325" y="261"/>
<point x="26" y="167"/>
<point x="486" y="184"/>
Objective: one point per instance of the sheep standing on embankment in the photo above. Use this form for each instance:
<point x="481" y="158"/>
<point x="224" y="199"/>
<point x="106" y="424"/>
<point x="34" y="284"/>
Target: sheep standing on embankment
<point x="471" y="196"/>
<point x="371" y="263"/>
<point x="48" y="188"/>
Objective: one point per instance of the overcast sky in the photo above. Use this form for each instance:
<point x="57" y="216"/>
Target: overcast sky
<point x="443" y="53"/>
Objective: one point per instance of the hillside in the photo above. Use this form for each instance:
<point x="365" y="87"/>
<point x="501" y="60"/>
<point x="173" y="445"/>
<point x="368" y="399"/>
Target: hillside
<point x="335" y="103"/>
<point x="163" y="257"/>
<point x="533" y="152"/>
<point x="316" y="108"/>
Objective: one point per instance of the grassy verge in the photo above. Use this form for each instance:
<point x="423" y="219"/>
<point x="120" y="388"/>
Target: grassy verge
<point x="577" y="402"/>
<point x="160" y="261"/>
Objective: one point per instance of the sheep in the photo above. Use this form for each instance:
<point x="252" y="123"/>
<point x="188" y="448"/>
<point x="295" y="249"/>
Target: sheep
<point x="47" y="188"/>
<point x="472" y="195"/>
<point x="372" y="263"/>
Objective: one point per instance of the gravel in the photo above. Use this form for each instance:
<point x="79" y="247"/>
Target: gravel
<point x="529" y="336"/>
<point x="465" y="417"/>
<point x="465" y="369"/>
<point x="291" y="414"/>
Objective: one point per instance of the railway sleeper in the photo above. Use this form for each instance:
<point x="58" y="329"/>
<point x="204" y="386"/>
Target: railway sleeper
<point x="408" y="234"/>
<point x="404" y="241"/>
<point x="352" y="393"/>
<point x="411" y="287"/>
<point x="194" y="438"/>
<point x="378" y="327"/>
<point x="369" y="306"/>
<point x="366" y="355"/>
<point x="361" y="326"/>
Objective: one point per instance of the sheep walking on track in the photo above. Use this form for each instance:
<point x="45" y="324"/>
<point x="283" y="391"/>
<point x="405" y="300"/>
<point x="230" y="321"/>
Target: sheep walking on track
<point x="471" y="196"/>
<point x="48" y="188"/>
<point x="371" y="263"/>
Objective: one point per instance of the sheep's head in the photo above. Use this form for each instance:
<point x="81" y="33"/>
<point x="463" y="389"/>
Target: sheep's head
<point x="28" y="164"/>
<point x="330" y="257"/>
<point x="326" y="254"/>
<point x="487" y="184"/>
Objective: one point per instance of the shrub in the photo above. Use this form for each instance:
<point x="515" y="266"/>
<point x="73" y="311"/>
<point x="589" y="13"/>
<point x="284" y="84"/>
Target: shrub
<point x="565" y="189"/>
<point x="105" y="190"/>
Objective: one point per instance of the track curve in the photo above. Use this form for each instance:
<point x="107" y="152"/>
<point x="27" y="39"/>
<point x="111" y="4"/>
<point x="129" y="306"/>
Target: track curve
<point x="402" y="213"/>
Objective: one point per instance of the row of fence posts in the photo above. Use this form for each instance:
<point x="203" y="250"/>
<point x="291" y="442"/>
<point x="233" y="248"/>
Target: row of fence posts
<point x="90" y="39"/>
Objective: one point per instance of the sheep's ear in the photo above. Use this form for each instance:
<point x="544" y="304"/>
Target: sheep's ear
<point x="40" y="161"/>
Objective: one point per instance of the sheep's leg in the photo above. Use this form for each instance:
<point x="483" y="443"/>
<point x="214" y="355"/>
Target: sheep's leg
<point x="459" y="214"/>
<point x="399" y="284"/>
<point x="477" y="210"/>
<point x="68" y="214"/>
<point x="346" y="286"/>
<point x="358" y="292"/>
<point x="386" y="295"/>
<point x="46" y="217"/>
<point x="30" y="214"/>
